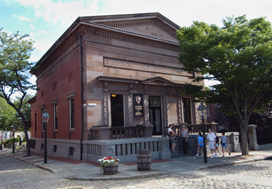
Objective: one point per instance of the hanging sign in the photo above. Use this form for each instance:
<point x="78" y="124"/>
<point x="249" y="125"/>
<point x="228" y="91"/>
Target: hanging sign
<point x="138" y="105"/>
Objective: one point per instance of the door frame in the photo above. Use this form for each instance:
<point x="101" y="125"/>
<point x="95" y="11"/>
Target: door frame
<point x="154" y="114"/>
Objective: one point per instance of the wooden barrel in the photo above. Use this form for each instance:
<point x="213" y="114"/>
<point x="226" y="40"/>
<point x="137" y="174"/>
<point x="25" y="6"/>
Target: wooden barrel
<point x="144" y="160"/>
<point x="111" y="169"/>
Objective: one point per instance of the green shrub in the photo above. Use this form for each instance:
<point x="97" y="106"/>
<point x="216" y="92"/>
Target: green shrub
<point x="11" y="141"/>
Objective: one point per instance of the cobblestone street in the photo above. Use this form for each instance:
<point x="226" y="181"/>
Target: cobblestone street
<point x="12" y="170"/>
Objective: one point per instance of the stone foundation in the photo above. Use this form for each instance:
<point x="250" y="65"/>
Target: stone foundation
<point x="124" y="149"/>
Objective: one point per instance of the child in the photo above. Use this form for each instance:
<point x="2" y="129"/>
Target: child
<point x="172" y="137"/>
<point x="224" y="142"/>
<point x="217" y="145"/>
<point x="200" y="143"/>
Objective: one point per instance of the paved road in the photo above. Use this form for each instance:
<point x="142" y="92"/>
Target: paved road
<point x="17" y="174"/>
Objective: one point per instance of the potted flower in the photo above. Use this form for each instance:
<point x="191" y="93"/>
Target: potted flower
<point x="109" y="165"/>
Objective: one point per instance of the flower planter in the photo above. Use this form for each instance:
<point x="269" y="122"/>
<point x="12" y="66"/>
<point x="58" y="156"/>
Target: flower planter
<point x="111" y="169"/>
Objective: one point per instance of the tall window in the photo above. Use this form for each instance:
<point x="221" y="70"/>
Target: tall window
<point x="55" y="116"/>
<point x="117" y="111"/>
<point x="72" y="113"/>
<point x="35" y="117"/>
<point x="187" y="110"/>
<point x="42" y="111"/>
<point x="208" y="111"/>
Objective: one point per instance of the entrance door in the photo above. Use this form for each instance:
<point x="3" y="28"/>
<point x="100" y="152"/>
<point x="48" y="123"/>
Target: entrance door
<point x="117" y="110"/>
<point x="155" y="114"/>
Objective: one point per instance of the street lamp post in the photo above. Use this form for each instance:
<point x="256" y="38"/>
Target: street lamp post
<point x="45" y="118"/>
<point x="2" y="146"/>
<point x="202" y="110"/>
<point x="13" y="128"/>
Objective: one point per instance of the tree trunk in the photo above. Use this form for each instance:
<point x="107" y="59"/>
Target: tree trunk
<point x="243" y="133"/>
<point x="26" y="136"/>
<point x="27" y="141"/>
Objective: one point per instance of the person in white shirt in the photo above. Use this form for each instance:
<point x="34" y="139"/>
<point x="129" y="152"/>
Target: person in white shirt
<point x="212" y="142"/>
<point x="170" y="129"/>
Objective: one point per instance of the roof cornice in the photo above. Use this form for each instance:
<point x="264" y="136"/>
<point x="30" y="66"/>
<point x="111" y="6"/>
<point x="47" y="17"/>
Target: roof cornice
<point x="133" y="19"/>
<point x="123" y="31"/>
<point x="82" y="21"/>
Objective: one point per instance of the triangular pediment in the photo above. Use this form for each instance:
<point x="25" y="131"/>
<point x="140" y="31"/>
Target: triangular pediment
<point x="158" y="81"/>
<point x="150" y="24"/>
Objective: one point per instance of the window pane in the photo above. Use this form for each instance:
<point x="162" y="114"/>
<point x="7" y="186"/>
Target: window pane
<point x="55" y="116"/>
<point x="72" y="109"/>
<point x="42" y="111"/>
<point x="154" y="101"/>
<point x="117" y="112"/>
<point x="158" y="120"/>
<point x="187" y="110"/>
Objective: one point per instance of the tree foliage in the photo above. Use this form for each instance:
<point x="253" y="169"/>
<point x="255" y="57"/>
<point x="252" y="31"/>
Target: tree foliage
<point x="15" y="50"/>
<point x="7" y="114"/>
<point x="239" y="56"/>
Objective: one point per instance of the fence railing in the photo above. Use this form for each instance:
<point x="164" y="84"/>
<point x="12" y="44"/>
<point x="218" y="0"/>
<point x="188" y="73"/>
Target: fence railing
<point x="106" y="133"/>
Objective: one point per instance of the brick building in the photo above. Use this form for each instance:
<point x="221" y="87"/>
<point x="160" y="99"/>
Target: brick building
<point x="127" y="68"/>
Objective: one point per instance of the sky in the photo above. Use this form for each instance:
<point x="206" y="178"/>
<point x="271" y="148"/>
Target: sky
<point x="46" y="20"/>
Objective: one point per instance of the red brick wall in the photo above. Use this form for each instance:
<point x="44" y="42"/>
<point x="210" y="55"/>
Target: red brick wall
<point x="63" y="87"/>
<point x="212" y="112"/>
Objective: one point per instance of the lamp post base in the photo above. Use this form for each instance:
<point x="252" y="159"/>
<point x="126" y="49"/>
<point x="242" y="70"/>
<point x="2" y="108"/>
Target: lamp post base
<point x="205" y="155"/>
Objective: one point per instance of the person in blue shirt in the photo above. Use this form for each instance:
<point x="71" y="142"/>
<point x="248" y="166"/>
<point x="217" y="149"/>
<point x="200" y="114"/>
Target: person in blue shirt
<point x="224" y="144"/>
<point x="200" y="143"/>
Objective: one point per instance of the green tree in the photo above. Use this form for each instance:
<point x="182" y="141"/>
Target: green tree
<point x="15" y="50"/>
<point x="239" y="56"/>
<point x="7" y="114"/>
<point x="26" y="110"/>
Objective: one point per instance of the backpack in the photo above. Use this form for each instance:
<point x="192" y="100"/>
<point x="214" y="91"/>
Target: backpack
<point x="217" y="140"/>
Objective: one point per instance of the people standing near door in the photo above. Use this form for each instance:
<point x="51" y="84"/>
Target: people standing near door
<point x="212" y="142"/>
<point x="172" y="142"/>
<point x="184" y="135"/>
<point x="170" y="129"/>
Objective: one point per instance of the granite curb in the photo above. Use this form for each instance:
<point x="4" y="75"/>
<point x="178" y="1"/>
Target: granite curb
<point x="233" y="163"/>
<point x="141" y="174"/>
<point x="146" y="175"/>
<point x="36" y="165"/>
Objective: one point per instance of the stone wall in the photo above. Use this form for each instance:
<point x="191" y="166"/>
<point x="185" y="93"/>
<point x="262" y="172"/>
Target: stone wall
<point x="124" y="149"/>
<point x="265" y="146"/>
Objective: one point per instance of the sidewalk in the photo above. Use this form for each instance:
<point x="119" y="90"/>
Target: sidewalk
<point x="79" y="170"/>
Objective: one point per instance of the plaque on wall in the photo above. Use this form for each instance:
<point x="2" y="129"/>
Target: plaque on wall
<point x="138" y="105"/>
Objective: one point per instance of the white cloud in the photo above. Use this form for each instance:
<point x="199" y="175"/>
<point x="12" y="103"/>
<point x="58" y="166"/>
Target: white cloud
<point x="42" y="45"/>
<point x="182" y="12"/>
<point x="63" y="12"/>
<point x="25" y="19"/>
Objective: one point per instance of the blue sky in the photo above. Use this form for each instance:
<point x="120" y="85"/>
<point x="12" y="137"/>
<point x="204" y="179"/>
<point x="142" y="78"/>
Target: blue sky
<point x="46" y="20"/>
